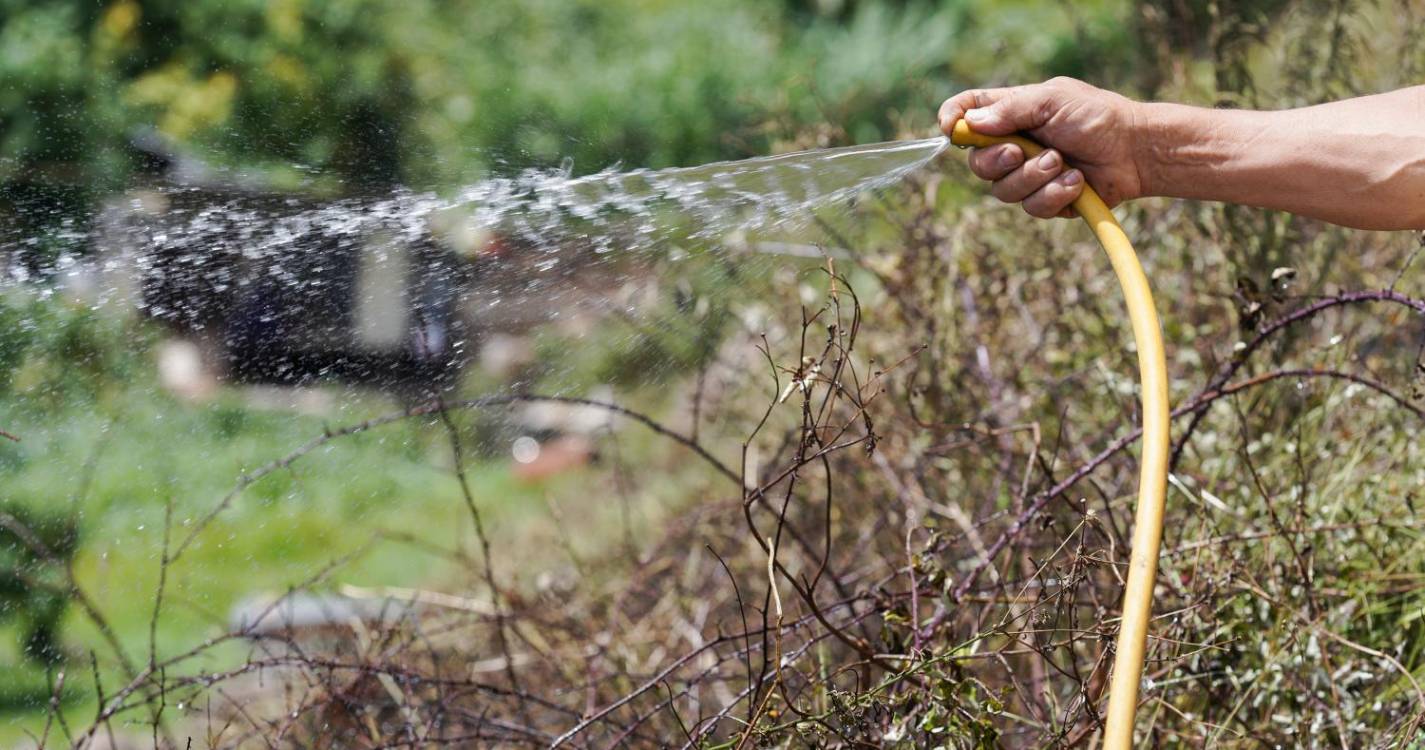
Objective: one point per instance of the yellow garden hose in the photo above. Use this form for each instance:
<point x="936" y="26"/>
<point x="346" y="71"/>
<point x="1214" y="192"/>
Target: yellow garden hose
<point x="1153" y="466"/>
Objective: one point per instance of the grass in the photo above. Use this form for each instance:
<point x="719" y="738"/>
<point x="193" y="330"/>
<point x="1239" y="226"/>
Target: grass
<point x="1290" y="587"/>
<point x="118" y="457"/>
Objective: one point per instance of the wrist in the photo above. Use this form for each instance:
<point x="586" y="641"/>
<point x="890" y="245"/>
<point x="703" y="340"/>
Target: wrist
<point x="1149" y="123"/>
<point x="1194" y="152"/>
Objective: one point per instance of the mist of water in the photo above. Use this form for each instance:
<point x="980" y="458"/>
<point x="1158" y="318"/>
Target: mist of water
<point x="643" y="206"/>
<point x="271" y="265"/>
<point x="553" y="211"/>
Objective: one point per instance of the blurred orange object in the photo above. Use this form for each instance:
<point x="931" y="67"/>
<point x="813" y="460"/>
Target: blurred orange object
<point x="535" y="461"/>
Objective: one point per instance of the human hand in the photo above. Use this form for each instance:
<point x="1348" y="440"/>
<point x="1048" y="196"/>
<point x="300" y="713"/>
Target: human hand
<point x="1086" y="131"/>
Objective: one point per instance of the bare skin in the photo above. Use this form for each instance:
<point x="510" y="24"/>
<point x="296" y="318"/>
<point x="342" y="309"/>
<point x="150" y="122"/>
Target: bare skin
<point x="1356" y="162"/>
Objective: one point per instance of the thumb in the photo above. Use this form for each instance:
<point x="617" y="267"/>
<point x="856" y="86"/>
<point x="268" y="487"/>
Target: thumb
<point x="1017" y="109"/>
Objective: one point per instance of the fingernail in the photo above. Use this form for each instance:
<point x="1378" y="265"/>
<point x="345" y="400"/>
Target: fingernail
<point x="1009" y="157"/>
<point x="1050" y="160"/>
<point x="1072" y="177"/>
<point x="977" y="115"/>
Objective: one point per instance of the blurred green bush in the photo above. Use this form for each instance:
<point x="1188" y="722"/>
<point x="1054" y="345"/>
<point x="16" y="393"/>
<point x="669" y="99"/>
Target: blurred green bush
<point x="351" y="95"/>
<point x="55" y="354"/>
<point x="36" y="548"/>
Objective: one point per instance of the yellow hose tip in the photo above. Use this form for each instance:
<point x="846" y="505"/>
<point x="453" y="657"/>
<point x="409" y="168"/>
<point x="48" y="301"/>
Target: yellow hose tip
<point x="963" y="136"/>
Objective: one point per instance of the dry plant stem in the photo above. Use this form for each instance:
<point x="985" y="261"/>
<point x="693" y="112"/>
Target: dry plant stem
<point x="1240" y="358"/>
<point x="54" y="713"/>
<point x="1195" y="407"/>
<point x="808" y="436"/>
<point x="501" y="625"/>
<point x="111" y="706"/>
<point x="777" y="644"/>
<point x="153" y="665"/>
<point x="646" y="686"/>
<point x="656" y="659"/>
<point x="1216" y="389"/>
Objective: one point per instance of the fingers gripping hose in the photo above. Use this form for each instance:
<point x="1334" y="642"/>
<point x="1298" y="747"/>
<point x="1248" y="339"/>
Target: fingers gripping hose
<point x="1153" y="463"/>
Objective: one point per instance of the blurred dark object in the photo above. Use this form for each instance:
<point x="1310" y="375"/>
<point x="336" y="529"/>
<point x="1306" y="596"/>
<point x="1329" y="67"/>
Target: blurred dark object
<point x="279" y="287"/>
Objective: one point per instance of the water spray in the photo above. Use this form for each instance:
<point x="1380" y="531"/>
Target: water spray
<point x="558" y="219"/>
<point x="1153" y="462"/>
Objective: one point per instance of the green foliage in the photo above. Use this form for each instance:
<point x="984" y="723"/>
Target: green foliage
<point x="1294" y="524"/>
<point x="356" y="94"/>
<point x="378" y="90"/>
<point x="55" y="353"/>
<point x="36" y="548"/>
<point x="104" y="449"/>
<point x="879" y="63"/>
<point x="15" y="339"/>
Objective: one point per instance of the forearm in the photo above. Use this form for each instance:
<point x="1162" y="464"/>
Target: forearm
<point x="1358" y="162"/>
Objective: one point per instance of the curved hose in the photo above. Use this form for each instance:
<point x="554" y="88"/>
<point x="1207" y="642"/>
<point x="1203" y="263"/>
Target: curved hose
<point x="1153" y="462"/>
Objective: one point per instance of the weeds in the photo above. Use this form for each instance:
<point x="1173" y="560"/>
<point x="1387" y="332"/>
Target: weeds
<point x="921" y="543"/>
<point x="898" y="514"/>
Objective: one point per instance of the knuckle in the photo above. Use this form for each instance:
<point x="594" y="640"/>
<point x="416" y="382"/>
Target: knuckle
<point x="1006" y="189"/>
<point x="1047" y="202"/>
<point x="1045" y="107"/>
<point x="1039" y="209"/>
<point x="963" y="100"/>
<point x="991" y="163"/>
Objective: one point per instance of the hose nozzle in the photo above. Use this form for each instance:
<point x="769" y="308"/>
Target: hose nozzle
<point x="964" y="137"/>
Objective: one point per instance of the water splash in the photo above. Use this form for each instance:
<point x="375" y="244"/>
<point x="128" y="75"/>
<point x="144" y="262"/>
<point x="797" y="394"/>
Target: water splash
<point x="363" y="273"/>
<point x="552" y="211"/>
<point x="634" y="208"/>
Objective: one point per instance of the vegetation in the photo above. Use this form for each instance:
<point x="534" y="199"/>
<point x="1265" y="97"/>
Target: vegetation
<point x="36" y="550"/>
<point x="881" y="500"/>
<point x="108" y="466"/>
<point x="344" y="96"/>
